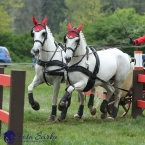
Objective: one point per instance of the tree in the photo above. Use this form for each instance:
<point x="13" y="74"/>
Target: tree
<point x="4" y="21"/>
<point x="110" y="30"/>
<point x="111" y="5"/>
<point x="54" y="9"/>
<point x="79" y="12"/>
<point x="23" y="21"/>
<point x="5" y="11"/>
<point x="85" y="11"/>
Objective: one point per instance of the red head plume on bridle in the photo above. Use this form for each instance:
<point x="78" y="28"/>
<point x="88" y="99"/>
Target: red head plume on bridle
<point x="39" y="25"/>
<point x="73" y="32"/>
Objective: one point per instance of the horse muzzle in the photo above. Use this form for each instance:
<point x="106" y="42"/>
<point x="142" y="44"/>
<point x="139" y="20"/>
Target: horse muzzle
<point x="34" y="52"/>
<point x="68" y="59"/>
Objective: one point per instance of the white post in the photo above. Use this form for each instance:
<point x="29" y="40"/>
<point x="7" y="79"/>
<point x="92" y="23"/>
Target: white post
<point x="138" y="60"/>
<point x="137" y="86"/>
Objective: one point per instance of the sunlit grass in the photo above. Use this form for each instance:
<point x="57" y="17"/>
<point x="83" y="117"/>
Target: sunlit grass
<point x="87" y="131"/>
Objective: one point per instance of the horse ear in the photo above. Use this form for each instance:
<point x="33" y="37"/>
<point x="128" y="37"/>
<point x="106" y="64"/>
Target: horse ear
<point x="69" y="26"/>
<point x="44" y="22"/>
<point x="80" y="28"/>
<point x="35" y="21"/>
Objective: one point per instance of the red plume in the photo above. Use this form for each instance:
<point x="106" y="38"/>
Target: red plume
<point x="44" y="22"/>
<point x="80" y="28"/>
<point x="69" y="26"/>
<point x="35" y="21"/>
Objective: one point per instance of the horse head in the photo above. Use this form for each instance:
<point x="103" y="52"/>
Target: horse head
<point x="39" y="34"/>
<point x="72" y="40"/>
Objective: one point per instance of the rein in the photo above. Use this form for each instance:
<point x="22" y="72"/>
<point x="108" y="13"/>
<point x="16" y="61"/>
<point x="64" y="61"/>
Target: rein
<point x="87" y="51"/>
<point x="111" y="85"/>
<point x="81" y="55"/>
<point x="51" y="51"/>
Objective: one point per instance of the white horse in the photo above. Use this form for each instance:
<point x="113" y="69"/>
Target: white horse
<point x="49" y="68"/>
<point x="126" y="95"/>
<point x="88" y="69"/>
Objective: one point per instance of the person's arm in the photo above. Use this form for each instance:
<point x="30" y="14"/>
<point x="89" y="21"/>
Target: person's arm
<point x="139" y="40"/>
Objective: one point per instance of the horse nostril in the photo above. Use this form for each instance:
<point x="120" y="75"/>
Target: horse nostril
<point x="36" y="51"/>
<point x="67" y="59"/>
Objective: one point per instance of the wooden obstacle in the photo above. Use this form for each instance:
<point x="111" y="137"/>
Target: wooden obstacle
<point x="138" y="79"/>
<point x="14" y="118"/>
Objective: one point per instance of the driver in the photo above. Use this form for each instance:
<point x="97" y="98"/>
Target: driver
<point x="137" y="41"/>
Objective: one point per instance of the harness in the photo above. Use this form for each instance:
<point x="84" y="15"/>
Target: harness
<point x="46" y="64"/>
<point x="91" y="75"/>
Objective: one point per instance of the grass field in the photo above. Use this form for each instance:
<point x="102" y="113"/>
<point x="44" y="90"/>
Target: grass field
<point x="87" y="131"/>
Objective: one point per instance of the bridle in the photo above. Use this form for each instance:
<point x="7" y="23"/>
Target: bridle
<point x="45" y="34"/>
<point x="78" y="42"/>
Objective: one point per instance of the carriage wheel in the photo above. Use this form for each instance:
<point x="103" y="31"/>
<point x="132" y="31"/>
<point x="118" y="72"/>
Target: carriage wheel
<point x="125" y="102"/>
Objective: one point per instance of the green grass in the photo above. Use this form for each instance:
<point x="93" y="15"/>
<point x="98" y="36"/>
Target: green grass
<point x="87" y="131"/>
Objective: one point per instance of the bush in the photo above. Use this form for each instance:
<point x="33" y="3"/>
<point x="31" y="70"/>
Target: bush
<point x="19" y="46"/>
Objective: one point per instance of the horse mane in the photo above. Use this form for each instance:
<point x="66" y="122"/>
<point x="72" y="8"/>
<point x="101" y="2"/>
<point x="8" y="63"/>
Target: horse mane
<point x="49" y="31"/>
<point x="83" y="37"/>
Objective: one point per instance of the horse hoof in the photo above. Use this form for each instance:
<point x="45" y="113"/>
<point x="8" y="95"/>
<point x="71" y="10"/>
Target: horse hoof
<point x="60" y="119"/>
<point x="103" y="116"/>
<point x="77" y="116"/>
<point x="93" y="112"/>
<point x="110" y="118"/>
<point x="36" y="106"/>
<point x="51" y="118"/>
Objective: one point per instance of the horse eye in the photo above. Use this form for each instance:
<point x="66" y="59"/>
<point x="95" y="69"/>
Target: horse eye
<point x="44" y="34"/>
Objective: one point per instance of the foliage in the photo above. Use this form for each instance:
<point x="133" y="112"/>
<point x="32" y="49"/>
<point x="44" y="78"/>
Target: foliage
<point x="7" y="5"/>
<point x="85" y="12"/>
<point x="23" y="22"/>
<point x="6" y="18"/>
<point x="58" y="11"/>
<point x="4" y="21"/>
<point x="77" y="13"/>
<point x="112" y="5"/>
<point x="18" y="45"/>
<point x="116" y="28"/>
<point x="54" y="11"/>
<point x="63" y="30"/>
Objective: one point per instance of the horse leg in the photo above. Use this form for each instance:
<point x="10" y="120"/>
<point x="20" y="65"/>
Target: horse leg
<point x="64" y="111"/>
<point x="115" y="108"/>
<point x="91" y="102"/>
<point x="34" y="104"/>
<point x="63" y="102"/>
<point x="81" y="107"/>
<point x="54" y="102"/>
<point x="103" y="107"/>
